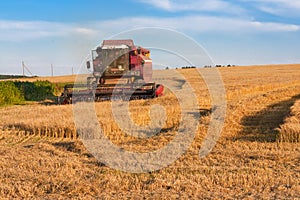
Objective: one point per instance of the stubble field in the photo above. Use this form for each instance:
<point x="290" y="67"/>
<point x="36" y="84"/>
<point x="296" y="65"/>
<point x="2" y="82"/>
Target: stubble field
<point x="257" y="156"/>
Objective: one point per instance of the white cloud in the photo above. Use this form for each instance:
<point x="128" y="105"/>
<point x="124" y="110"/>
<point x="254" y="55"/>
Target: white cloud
<point x="85" y="31"/>
<point x="274" y="27"/>
<point x="26" y="30"/>
<point x="285" y="3"/>
<point x="282" y="8"/>
<point x="163" y="4"/>
<point x="196" y="5"/>
<point x="32" y="30"/>
<point x="198" y="24"/>
<point x="277" y="7"/>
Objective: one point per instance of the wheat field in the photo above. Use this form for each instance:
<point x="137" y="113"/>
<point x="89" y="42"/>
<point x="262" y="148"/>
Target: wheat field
<point x="256" y="157"/>
<point x="289" y="131"/>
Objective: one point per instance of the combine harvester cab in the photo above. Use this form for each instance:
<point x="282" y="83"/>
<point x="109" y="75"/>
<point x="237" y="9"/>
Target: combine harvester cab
<point x="121" y="70"/>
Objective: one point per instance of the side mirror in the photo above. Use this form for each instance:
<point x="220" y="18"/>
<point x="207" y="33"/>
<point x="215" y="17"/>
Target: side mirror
<point x="88" y="65"/>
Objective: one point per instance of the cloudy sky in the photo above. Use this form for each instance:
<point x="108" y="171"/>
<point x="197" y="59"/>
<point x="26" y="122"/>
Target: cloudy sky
<point x="62" y="32"/>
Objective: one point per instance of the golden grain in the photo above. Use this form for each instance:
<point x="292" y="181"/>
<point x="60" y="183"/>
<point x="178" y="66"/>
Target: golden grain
<point x="40" y="156"/>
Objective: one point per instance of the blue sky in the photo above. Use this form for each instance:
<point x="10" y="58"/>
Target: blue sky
<point x="62" y="33"/>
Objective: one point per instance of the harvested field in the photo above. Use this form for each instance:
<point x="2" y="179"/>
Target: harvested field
<point x="290" y="130"/>
<point x="41" y="156"/>
<point x="54" y="79"/>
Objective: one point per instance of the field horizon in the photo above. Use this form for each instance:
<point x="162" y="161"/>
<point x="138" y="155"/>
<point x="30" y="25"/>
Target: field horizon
<point x="71" y="78"/>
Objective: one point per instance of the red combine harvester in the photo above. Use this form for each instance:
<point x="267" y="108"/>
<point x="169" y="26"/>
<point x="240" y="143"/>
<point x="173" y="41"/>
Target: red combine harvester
<point x="121" y="70"/>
